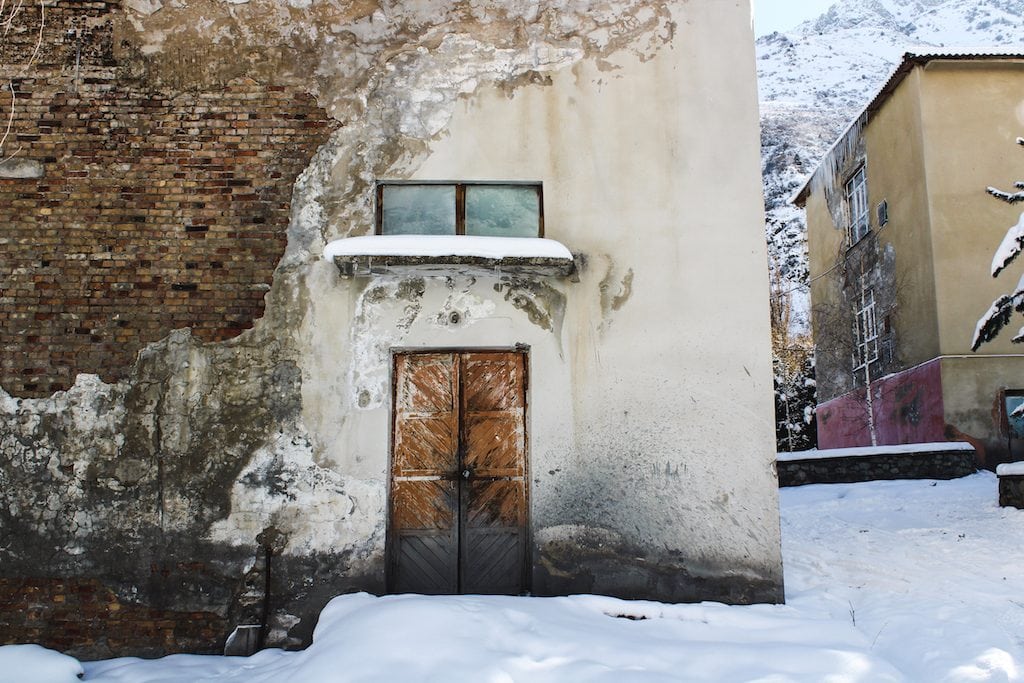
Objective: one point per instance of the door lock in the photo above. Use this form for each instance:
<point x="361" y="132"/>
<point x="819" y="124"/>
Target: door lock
<point x="467" y="473"/>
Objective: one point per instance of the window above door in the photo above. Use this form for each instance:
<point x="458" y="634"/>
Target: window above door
<point x="483" y="209"/>
<point x="450" y="227"/>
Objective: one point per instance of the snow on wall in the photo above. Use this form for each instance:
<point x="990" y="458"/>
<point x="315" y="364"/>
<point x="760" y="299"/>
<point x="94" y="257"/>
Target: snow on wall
<point x="447" y="245"/>
<point x="1010" y="469"/>
<point x="865" y="451"/>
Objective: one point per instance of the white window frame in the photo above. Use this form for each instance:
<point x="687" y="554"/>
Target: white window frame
<point x="865" y="331"/>
<point x="857" y="209"/>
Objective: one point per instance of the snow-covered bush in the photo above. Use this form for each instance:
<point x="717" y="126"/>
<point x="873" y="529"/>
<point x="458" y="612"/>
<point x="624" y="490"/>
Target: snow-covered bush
<point x="998" y="315"/>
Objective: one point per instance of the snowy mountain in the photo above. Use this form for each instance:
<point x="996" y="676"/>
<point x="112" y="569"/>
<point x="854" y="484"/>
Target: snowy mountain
<point x="816" y="77"/>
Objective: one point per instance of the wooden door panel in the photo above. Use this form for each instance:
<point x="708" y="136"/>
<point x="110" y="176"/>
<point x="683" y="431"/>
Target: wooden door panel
<point x="494" y="444"/>
<point x="493" y="561"/>
<point x="495" y="504"/>
<point x="493" y="382"/>
<point x="458" y="501"/>
<point x="424" y="501"/>
<point x="423" y="505"/>
<point x="425" y="440"/>
<point x="425" y="382"/>
<point x="425" y="562"/>
<point x="494" y="537"/>
<point x="425" y="445"/>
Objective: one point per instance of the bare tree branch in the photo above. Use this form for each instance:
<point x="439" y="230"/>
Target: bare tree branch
<point x="9" y="14"/>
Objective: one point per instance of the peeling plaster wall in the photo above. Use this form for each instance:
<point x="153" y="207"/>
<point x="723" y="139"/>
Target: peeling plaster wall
<point x="657" y="482"/>
<point x="650" y="418"/>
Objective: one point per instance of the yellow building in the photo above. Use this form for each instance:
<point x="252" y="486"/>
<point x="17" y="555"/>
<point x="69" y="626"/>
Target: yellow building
<point x="901" y="234"/>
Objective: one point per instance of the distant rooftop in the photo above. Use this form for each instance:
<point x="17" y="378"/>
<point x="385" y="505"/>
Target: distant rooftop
<point x="909" y="61"/>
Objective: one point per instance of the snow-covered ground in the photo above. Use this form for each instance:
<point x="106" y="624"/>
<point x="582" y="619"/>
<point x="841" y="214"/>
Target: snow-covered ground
<point x="885" y="581"/>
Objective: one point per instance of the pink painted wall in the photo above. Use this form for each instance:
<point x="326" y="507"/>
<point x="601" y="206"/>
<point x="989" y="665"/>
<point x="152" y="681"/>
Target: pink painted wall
<point x="907" y="409"/>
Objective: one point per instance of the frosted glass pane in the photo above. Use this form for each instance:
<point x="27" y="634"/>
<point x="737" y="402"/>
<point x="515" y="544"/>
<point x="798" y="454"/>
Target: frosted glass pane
<point x="502" y="210"/>
<point x="418" y="210"/>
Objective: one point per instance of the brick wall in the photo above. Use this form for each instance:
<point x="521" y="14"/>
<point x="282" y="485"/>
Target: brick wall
<point x="154" y="211"/>
<point x="83" y="617"/>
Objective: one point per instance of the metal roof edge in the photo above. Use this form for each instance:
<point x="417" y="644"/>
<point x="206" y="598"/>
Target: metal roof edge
<point x="907" y="63"/>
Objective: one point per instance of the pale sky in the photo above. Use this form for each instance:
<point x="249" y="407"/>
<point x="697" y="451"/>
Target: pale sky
<point x="780" y="15"/>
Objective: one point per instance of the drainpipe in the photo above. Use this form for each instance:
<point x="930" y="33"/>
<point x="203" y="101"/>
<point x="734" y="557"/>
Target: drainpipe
<point x="272" y="541"/>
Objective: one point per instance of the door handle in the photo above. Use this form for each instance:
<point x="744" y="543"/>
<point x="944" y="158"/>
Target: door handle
<point x="467" y="473"/>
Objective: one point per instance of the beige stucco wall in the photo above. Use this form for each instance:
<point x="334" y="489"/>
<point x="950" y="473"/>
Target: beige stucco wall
<point x="650" y="418"/>
<point x="891" y="148"/>
<point x="972" y="389"/>
<point x="896" y="154"/>
<point x="825" y="242"/>
<point x="972" y="113"/>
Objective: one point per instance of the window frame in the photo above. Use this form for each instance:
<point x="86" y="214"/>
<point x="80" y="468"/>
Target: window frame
<point x="858" y="209"/>
<point x="882" y="213"/>
<point x="865" y="330"/>
<point x="460" y="199"/>
<point x="1007" y="395"/>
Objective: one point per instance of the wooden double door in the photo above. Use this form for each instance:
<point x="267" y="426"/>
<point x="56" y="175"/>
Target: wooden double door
<point x="458" y="492"/>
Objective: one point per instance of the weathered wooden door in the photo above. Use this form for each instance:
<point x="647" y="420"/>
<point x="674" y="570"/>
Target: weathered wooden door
<point x="458" y="520"/>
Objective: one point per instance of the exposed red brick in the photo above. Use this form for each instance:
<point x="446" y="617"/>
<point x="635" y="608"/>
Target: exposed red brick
<point x="156" y="210"/>
<point x="79" y="615"/>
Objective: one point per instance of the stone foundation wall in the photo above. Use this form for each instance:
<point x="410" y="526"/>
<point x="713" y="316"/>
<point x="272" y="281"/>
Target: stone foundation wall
<point x="1011" y="491"/>
<point x="838" y="470"/>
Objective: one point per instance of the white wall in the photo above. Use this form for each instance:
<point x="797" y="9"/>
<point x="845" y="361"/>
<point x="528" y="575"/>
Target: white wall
<point x="650" y="419"/>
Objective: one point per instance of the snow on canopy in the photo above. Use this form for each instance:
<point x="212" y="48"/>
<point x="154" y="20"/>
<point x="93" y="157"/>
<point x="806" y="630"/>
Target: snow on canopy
<point x="447" y="245"/>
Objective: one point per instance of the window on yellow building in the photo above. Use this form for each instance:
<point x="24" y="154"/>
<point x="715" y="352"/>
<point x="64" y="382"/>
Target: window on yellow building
<point x="865" y="330"/>
<point x="857" y="212"/>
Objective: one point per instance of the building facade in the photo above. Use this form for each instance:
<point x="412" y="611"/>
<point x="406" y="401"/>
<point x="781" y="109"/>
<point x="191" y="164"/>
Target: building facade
<point x="901" y="235"/>
<point x="532" y="359"/>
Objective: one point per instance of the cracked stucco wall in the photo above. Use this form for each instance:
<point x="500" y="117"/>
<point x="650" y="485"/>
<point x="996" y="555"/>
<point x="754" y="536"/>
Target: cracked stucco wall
<point x="650" y="408"/>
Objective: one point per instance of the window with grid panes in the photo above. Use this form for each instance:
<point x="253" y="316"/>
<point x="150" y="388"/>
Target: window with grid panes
<point x="865" y="331"/>
<point x="857" y="207"/>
